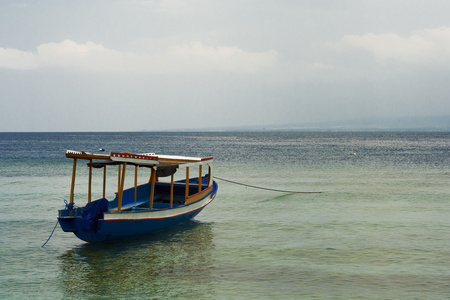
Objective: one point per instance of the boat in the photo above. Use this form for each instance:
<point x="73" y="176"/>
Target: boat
<point x="141" y="209"/>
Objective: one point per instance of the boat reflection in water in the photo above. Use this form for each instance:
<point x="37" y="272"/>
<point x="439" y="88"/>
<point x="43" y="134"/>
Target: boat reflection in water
<point x="176" y="263"/>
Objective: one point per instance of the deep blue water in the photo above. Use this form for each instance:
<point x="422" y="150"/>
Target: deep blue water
<point x="379" y="230"/>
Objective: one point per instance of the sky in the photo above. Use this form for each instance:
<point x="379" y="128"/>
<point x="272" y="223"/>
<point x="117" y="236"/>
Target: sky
<point x="130" y="65"/>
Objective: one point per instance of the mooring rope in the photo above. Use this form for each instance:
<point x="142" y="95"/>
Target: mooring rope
<point x="50" y="234"/>
<point x="263" y="188"/>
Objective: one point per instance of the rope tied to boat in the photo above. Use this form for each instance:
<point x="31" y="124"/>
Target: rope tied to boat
<point x="263" y="188"/>
<point x="57" y="221"/>
<point x="69" y="206"/>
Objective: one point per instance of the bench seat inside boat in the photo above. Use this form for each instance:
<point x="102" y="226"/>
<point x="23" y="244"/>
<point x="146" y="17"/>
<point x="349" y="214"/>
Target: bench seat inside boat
<point x="135" y="204"/>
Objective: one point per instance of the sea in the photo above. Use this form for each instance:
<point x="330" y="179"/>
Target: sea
<point x="352" y="215"/>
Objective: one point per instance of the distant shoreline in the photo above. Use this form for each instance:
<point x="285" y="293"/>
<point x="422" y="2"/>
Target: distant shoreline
<point x="356" y="130"/>
<point x="402" y="124"/>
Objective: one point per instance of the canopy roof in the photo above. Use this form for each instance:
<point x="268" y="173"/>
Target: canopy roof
<point x="142" y="160"/>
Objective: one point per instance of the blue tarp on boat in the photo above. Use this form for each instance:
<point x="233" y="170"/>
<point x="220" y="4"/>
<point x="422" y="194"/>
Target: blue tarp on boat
<point x="92" y="212"/>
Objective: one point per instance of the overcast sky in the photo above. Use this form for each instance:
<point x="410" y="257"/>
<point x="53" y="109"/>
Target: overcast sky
<point x="170" y="64"/>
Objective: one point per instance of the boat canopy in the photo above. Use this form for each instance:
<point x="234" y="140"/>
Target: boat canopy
<point x="141" y="160"/>
<point x="160" y="165"/>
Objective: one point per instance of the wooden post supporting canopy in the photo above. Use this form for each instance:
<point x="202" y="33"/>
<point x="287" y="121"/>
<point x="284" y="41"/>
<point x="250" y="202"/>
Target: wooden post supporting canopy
<point x="152" y="188"/>
<point x="104" y="181"/>
<point x="120" y="191"/>
<point x="135" y="182"/>
<point x="90" y="181"/>
<point x="187" y="184"/>
<point x="72" y="187"/>
<point x="199" y="178"/>
<point x="171" y="190"/>
<point x="209" y="175"/>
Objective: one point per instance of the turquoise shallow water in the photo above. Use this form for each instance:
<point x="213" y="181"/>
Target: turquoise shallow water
<point x="379" y="230"/>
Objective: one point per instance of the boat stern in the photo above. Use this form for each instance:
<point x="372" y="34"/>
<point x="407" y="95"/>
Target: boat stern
<point x="67" y="218"/>
<point x="67" y="224"/>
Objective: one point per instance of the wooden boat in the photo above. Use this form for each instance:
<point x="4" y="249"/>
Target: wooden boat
<point x="140" y="209"/>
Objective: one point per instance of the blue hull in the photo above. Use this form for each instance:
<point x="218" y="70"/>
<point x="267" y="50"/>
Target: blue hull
<point x="123" y="225"/>
<point x="123" y="229"/>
